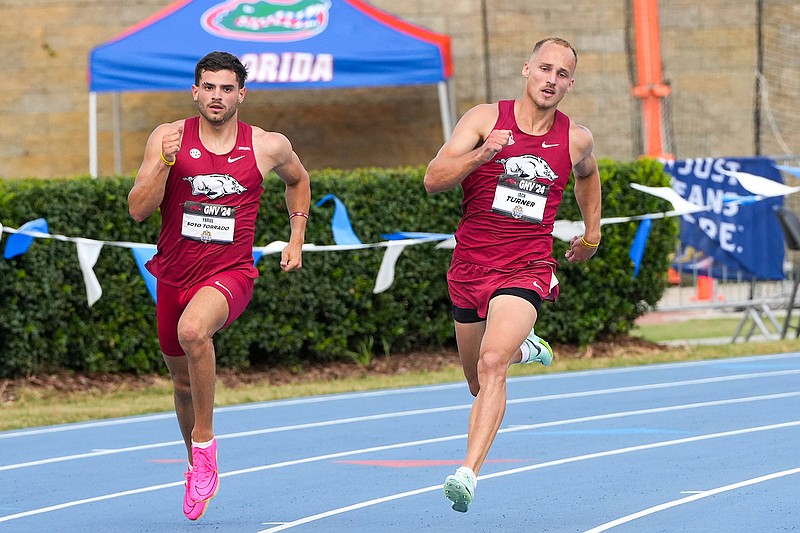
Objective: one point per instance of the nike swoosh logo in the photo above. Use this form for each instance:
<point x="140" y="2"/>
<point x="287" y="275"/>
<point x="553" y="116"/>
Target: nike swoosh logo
<point x="234" y="159"/>
<point x="545" y="145"/>
<point x="218" y="284"/>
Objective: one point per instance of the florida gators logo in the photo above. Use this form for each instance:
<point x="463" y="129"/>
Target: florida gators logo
<point x="267" y="20"/>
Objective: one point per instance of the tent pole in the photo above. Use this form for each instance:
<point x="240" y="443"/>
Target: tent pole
<point x="117" y="134"/>
<point x="93" y="134"/>
<point x="444" y="109"/>
<point x="451" y="95"/>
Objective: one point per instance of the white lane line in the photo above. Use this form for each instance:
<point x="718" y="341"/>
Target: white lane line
<point x="390" y="392"/>
<point x="689" y="499"/>
<point x="417" y="443"/>
<point x="558" y="462"/>
<point x="354" y="507"/>
<point x="93" y="453"/>
<point x="414" y="412"/>
<point x="94" y="499"/>
<point x="310" y="425"/>
<point x="84" y="425"/>
<point x="652" y="386"/>
<point x="231" y="408"/>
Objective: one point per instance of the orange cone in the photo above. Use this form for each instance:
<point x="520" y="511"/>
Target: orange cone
<point x="705" y="289"/>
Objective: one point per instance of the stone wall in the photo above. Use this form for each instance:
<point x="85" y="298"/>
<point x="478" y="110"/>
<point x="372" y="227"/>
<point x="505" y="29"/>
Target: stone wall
<point x="708" y="48"/>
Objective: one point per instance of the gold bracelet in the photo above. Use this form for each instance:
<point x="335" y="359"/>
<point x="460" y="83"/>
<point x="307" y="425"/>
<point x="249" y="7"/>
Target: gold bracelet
<point x="588" y="244"/>
<point x="168" y="163"/>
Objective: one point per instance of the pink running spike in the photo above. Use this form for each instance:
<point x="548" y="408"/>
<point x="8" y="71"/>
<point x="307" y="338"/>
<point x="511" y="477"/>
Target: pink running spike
<point x="204" y="482"/>
<point x="192" y="509"/>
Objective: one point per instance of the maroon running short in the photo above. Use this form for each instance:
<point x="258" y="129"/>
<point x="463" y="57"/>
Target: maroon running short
<point x="471" y="286"/>
<point x="236" y="286"/>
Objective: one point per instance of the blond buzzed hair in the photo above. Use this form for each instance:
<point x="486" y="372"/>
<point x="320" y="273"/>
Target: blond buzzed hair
<point x="556" y="40"/>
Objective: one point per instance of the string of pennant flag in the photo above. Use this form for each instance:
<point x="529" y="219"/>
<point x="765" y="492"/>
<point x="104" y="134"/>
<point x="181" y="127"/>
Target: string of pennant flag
<point x="345" y="238"/>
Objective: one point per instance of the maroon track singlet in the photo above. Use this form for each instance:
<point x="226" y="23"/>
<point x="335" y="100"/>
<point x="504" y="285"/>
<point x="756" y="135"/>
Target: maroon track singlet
<point x="508" y="222"/>
<point x="209" y="210"/>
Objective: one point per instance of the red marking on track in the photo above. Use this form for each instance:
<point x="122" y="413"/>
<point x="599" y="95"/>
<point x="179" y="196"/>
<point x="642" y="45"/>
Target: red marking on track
<point x="416" y="463"/>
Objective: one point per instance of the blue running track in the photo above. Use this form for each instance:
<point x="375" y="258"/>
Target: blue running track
<point x="706" y="446"/>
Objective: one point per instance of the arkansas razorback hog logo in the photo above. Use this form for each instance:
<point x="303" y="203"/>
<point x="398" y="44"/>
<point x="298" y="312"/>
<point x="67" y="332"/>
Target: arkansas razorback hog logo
<point x="528" y="167"/>
<point x="215" y="185"/>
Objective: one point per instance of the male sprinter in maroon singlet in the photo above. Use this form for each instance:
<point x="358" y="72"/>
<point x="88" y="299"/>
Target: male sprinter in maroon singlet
<point x="206" y="174"/>
<point x="513" y="160"/>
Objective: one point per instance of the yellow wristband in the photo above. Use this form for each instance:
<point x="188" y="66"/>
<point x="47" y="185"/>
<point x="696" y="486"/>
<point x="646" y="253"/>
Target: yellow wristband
<point x="588" y="244"/>
<point x="168" y="163"/>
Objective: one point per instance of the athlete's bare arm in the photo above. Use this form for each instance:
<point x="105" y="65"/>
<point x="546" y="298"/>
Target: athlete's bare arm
<point x="472" y="143"/>
<point x="148" y="187"/>
<point x="274" y="152"/>
<point x="587" y="191"/>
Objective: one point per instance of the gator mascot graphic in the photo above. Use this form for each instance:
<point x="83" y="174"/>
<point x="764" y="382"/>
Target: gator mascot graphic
<point x="273" y="20"/>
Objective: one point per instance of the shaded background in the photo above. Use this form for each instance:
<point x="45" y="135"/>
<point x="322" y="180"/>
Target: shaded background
<point x="732" y="66"/>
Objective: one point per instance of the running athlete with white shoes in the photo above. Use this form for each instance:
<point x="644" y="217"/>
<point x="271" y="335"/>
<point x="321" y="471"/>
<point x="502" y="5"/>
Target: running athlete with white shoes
<point x="206" y="174"/>
<point x="513" y="160"/>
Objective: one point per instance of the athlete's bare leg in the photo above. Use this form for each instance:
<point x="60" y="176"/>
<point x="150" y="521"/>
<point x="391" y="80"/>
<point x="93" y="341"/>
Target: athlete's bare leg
<point x="509" y="320"/>
<point x="182" y="393"/>
<point x="468" y="338"/>
<point x="202" y="318"/>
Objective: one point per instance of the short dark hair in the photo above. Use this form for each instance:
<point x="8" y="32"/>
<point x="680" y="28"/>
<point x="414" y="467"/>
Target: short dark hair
<point x="216" y="61"/>
<point x="556" y="40"/>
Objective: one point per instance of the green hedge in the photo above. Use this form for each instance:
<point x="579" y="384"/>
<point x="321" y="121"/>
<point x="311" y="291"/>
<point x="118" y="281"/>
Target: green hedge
<point x="325" y="311"/>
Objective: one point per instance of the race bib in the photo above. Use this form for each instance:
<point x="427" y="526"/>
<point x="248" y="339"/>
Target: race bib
<point x="208" y="222"/>
<point x="520" y="199"/>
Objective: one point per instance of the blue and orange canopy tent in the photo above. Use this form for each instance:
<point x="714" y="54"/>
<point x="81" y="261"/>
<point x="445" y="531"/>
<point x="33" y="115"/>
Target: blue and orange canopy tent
<point x="285" y="44"/>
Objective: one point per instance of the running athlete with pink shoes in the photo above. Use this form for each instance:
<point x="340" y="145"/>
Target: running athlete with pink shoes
<point x="206" y="174"/>
<point x="513" y="160"/>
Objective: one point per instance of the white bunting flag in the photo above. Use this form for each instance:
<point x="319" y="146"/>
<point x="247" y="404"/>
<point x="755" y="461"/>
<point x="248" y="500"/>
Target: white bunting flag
<point x="88" y="252"/>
